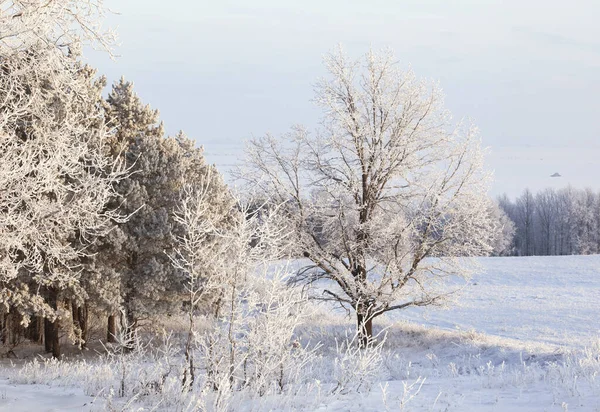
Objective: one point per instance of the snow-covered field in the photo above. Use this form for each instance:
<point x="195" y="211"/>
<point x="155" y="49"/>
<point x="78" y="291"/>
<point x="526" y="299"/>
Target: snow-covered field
<point x="525" y="336"/>
<point x="29" y="398"/>
<point x="552" y="299"/>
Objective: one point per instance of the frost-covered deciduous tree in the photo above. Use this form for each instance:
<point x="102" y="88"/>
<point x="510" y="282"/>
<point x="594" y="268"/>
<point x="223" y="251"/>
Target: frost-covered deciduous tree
<point x="55" y="177"/>
<point x="555" y="222"/>
<point x="386" y="184"/>
<point x="57" y="24"/>
<point x="525" y="212"/>
<point x="205" y="212"/>
<point x="227" y="258"/>
<point x="546" y="213"/>
<point x="225" y="254"/>
<point x="504" y="233"/>
<point x="585" y="222"/>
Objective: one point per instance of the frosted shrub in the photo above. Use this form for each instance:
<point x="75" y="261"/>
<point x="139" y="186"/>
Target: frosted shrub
<point x="252" y="347"/>
<point x="276" y="358"/>
<point x="577" y="370"/>
<point x="93" y="378"/>
<point x="409" y="392"/>
<point x="254" y="313"/>
<point x="357" y="369"/>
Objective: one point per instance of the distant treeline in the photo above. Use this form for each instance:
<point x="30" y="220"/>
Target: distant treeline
<point x="554" y="222"/>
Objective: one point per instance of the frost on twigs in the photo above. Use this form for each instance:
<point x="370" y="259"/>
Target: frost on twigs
<point x="249" y="345"/>
<point x="60" y="24"/>
<point x="358" y="369"/>
<point x="55" y="176"/>
<point x="386" y="198"/>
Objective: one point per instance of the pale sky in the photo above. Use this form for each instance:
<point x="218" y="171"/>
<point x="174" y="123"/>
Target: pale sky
<point x="527" y="72"/>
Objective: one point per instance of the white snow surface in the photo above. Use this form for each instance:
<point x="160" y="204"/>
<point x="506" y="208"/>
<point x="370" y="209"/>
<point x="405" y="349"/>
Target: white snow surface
<point x="551" y="299"/>
<point x="45" y="398"/>
<point x="524" y="336"/>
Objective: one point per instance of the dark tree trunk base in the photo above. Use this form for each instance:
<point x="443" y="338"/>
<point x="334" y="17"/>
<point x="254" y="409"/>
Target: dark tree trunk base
<point x="111" y="332"/>
<point x="82" y="316"/>
<point x="48" y="330"/>
<point x="52" y="328"/>
<point x="56" y="339"/>
<point x="365" y="330"/>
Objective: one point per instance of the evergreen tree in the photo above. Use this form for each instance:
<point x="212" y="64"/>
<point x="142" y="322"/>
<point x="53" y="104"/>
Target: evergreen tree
<point x="148" y="284"/>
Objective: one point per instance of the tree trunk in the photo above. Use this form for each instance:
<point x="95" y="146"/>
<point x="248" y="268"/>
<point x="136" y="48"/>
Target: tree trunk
<point x="189" y="373"/>
<point x="112" y="329"/>
<point x="129" y="325"/>
<point x="52" y="328"/>
<point x="365" y="329"/>
<point x="39" y="320"/>
<point x="33" y="332"/>
<point x="5" y="329"/>
<point x="82" y="316"/>
<point x="48" y="330"/>
<point x="56" y="339"/>
<point x="16" y="329"/>
<point x="128" y="318"/>
<point x="75" y="315"/>
<point x="8" y="329"/>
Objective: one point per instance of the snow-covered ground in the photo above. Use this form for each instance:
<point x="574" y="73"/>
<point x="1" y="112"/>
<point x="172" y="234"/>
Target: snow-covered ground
<point x="45" y="398"/>
<point x="525" y="336"/>
<point x="553" y="299"/>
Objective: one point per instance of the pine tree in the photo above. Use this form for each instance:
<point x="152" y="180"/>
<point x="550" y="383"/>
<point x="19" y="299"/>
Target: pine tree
<point x="160" y="167"/>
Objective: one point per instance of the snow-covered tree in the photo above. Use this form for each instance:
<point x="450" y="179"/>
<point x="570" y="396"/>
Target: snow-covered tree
<point x="503" y="236"/>
<point x="547" y="217"/>
<point x="555" y="222"/>
<point x="584" y="222"/>
<point x="55" y="177"/>
<point x="388" y="182"/>
<point x="226" y="257"/>
<point x="525" y="218"/>
<point x="148" y="283"/>
<point x="205" y="210"/>
<point x="53" y="25"/>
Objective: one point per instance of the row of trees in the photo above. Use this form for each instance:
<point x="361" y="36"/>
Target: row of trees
<point x="88" y="185"/>
<point x="55" y="178"/>
<point x="554" y="222"/>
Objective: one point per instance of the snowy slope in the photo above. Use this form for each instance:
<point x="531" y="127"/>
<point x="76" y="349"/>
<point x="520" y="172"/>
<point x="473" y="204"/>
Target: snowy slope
<point x="554" y="299"/>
